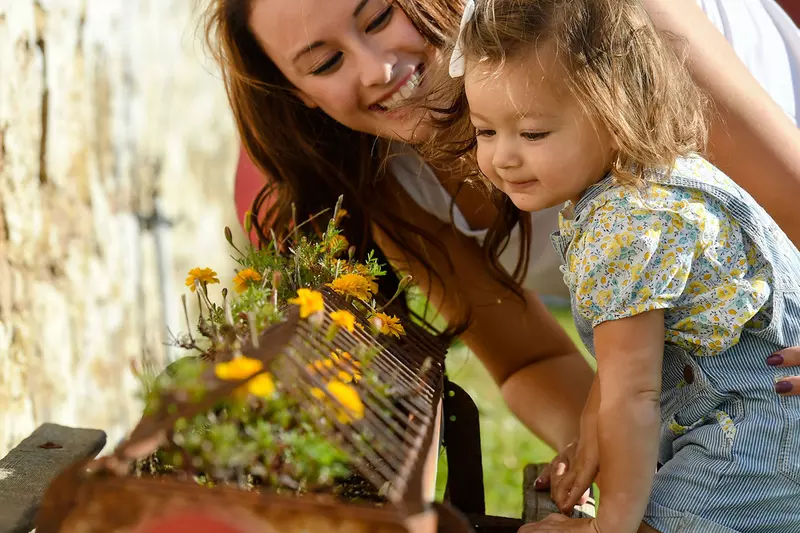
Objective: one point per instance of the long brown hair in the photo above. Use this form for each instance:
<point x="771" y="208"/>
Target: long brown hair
<point x="310" y="158"/>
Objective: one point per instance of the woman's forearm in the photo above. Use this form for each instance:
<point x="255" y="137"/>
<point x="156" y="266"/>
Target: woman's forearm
<point x="752" y="140"/>
<point x="549" y="395"/>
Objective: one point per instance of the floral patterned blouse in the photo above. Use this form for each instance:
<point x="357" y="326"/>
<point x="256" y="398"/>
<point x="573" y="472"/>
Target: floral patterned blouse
<point x="656" y="246"/>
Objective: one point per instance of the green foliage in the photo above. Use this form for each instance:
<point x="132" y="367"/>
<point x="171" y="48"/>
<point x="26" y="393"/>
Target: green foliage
<point x="260" y="440"/>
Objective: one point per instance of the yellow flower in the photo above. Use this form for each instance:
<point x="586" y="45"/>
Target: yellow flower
<point x="242" y="368"/>
<point x="261" y="385"/>
<point x="310" y="302"/>
<point x="694" y="288"/>
<point x="353" y="372"/>
<point x="344" y="319"/>
<point x="604" y="297"/>
<point x="354" y="285"/>
<point x="238" y="368"/>
<point x="243" y="278"/>
<point x="346" y="396"/>
<point x="726" y="292"/>
<point x="390" y="325"/>
<point x="348" y="370"/>
<point x="624" y="239"/>
<point x="204" y="275"/>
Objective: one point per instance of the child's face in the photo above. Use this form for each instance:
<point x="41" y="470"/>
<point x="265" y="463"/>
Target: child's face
<point x="535" y="141"/>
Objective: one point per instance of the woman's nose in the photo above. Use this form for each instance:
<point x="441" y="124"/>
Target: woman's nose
<point x="377" y="68"/>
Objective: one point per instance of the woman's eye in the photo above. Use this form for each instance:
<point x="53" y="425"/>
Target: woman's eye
<point x="484" y="133"/>
<point x="535" y="135"/>
<point x="381" y="19"/>
<point x="327" y="65"/>
<point x="376" y="24"/>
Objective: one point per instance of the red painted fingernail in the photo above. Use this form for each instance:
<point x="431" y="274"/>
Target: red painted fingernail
<point x="782" y="387"/>
<point x="539" y="482"/>
<point x="775" y="359"/>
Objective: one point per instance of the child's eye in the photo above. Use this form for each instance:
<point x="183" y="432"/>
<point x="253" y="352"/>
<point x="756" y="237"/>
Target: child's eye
<point x="328" y="65"/>
<point x="484" y="133"/>
<point x="535" y="135"/>
<point x="381" y="19"/>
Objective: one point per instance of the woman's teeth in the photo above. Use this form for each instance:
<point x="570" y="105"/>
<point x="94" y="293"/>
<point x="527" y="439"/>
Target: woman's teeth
<point x="402" y="94"/>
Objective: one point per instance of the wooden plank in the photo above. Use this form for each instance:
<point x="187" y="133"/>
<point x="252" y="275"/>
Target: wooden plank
<point x="29" y="468"/>
<point x="537" y="504"/>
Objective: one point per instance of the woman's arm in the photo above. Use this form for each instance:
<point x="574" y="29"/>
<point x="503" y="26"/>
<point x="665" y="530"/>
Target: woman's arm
<point x="751" y="139"/>
<point x="629" y="357"/>
<point x="542" y="376"/>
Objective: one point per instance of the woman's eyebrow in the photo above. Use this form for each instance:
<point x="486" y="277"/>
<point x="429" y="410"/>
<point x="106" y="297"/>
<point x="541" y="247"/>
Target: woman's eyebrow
<point x="316" y="44"/>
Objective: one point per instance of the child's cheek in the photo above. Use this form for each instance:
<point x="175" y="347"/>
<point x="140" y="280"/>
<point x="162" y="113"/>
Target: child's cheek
<point x="484" y="158"/>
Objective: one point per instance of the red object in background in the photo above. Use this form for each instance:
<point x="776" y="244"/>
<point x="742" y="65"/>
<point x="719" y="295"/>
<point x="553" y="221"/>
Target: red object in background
<point x="193" y="522"/>
<point x="792" y="8"/>
<point x="249" y="181"/>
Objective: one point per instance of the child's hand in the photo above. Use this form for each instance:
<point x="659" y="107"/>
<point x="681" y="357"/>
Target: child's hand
<point x="556" y="523"/>
<point x="573" y="474"/>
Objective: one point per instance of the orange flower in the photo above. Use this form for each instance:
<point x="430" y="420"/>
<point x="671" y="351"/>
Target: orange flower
<point x="243" y="279"/>
<point x="344" y="319"/>
<point x="205" y="276"/>
<point x="310" y="302"/>
<point x="354" y="285"/>
<point x="390" y="325"/>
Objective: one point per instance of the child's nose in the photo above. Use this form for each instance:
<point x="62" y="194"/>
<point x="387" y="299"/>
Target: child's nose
<point x="505" y="155"/>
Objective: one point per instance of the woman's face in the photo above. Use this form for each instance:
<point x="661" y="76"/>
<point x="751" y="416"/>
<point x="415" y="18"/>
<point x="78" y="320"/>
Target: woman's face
<point x="356" y="60"/>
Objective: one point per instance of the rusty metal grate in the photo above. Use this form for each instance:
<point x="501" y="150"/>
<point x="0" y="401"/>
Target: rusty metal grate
<point x="389" y="445"/>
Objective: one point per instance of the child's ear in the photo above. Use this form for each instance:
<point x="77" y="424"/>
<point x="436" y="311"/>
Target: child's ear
<point x="307" y="100"/>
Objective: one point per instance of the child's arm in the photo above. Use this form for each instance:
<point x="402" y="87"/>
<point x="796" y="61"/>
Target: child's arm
<point x="629" y="357"/>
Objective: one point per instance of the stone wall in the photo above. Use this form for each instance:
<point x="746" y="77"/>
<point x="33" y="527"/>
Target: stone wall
<point x="117" y="155"/>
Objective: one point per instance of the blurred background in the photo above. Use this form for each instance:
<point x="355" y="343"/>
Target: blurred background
<point x="117" y="159"/>
<point x="117" y="162"/>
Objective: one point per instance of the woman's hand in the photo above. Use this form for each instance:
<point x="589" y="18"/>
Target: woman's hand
<point x="556" y="523"/>
<point x="570" y="474"/>
<point x="566" y="476"/>
<point x="790" y="357"/>
<point x="574" y="474"/>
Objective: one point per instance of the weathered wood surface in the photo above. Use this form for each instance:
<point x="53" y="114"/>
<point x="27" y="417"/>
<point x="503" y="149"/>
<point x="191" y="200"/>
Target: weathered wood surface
<point x="537" y="504"/>
<point x="28" y="469"/>
<point x="111" y="116"/>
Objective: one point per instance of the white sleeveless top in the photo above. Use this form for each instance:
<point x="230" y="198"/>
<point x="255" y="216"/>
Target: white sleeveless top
<point x="764" y="38"/>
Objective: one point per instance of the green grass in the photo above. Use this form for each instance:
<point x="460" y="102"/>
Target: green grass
<point x="507" y="446"/>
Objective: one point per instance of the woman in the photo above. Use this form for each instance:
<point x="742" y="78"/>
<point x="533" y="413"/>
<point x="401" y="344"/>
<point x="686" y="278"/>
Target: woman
<point x="312" y="106"/>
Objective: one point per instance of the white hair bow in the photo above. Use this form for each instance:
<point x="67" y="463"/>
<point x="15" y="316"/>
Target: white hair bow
<point x="458" y="63"/>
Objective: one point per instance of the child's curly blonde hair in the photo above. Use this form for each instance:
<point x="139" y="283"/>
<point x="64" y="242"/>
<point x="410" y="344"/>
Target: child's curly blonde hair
<point x="619" y="68"/>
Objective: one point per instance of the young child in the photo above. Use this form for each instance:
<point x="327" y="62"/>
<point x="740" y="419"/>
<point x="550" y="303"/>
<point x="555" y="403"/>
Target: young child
<point x="679" y="281"/>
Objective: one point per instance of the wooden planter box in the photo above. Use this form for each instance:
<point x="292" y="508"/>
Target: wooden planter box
<point x="103" y="503"/>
